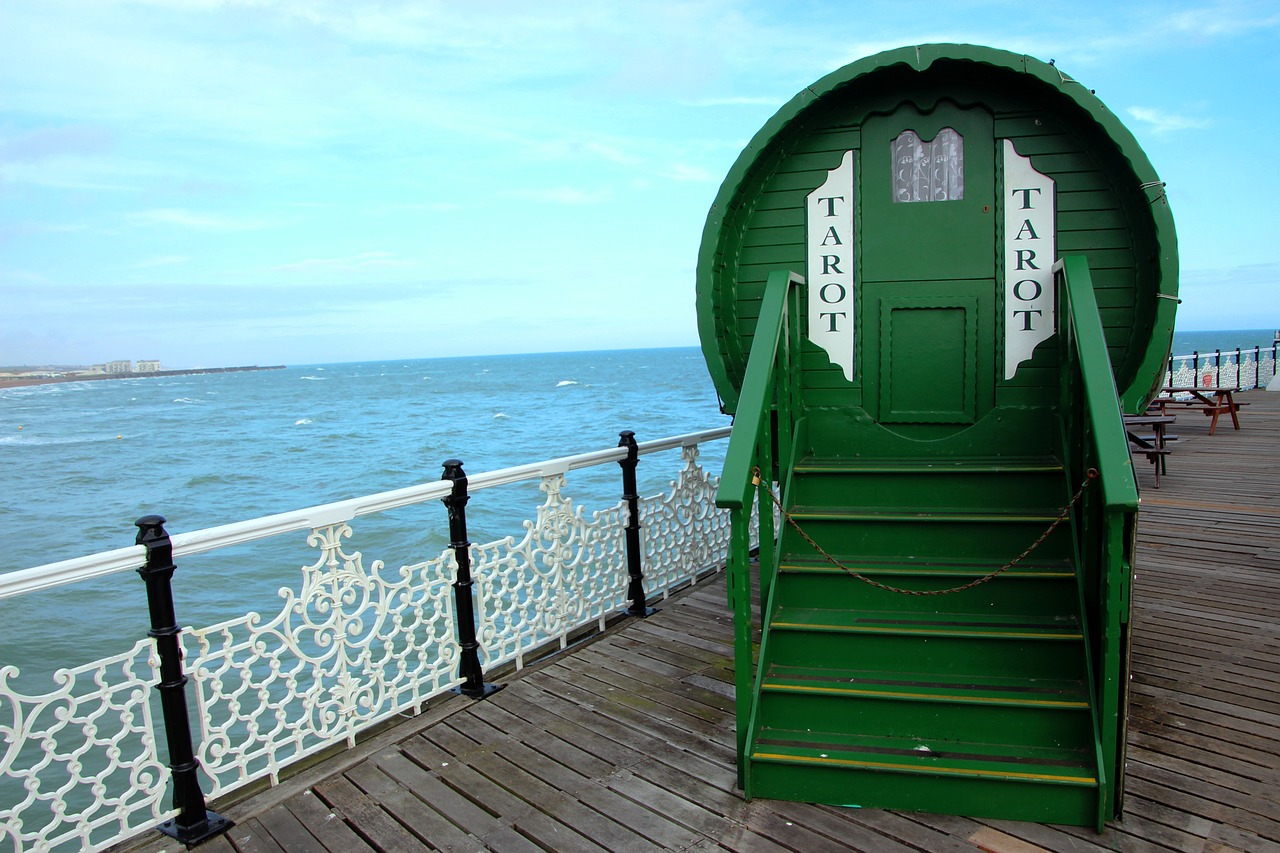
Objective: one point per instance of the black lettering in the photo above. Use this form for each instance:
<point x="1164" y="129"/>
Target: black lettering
<point x="833" y="315"/>
<point x="833" y="237"/>
<point x="822" y="294"/>
<point x="1026" y="324"/>
<point x="1017" y="290"/>
<point x="1026" y="256"/>
<point x="1027" y="229"/>
<point x="831" y="203"/>
<point x="829" y="265"/>
<point x="1026" y="196"/>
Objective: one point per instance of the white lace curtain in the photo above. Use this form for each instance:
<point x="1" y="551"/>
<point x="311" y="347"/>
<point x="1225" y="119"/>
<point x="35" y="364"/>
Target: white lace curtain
<point x="928" y="171"/>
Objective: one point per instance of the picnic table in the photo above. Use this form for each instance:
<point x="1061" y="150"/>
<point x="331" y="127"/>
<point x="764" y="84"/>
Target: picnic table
<point x="1213" y="401"/>
<point x="1148" y="435"/>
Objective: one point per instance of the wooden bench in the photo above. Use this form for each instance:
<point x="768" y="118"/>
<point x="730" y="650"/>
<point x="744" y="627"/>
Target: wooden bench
<point x="1222" y="402"/>
<point x="1152" y="443"/>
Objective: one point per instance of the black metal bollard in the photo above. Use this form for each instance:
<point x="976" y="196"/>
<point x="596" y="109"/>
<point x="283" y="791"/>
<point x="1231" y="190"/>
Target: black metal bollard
<point x="194" y="823"/>
<point x="469" y="665"/>
<point x="630" y="494"/>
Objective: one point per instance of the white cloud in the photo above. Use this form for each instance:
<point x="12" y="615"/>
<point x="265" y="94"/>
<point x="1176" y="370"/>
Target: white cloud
<point x="350" y="263"/>
<point x="564" y="195"/>
<point x="740" y="101"/>
<point x="160" y="261"/>
<point x="1163" y="122"/>
<point x="685" y="172"/>
<point x="203" y="221"/>
<point x="1223" y="19"/>
<point x="1227" y="298"/>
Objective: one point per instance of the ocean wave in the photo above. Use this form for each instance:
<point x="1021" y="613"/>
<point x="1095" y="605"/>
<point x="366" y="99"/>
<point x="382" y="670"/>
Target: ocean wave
<point x="497" y="415"/>
<point x="563" y="382"/>
<point x="216" y="480"/>
<point x="314" y="378"/>
<point x="187" y="400"/>
<point x="302" y="421"/>
<point x="40" y="440"/>
<point x="50" y="389"/>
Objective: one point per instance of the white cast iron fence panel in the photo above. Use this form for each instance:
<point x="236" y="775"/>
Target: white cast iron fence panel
<point x="1247" y="371"/>
<point x="350" y="649"/>
<point x="1228" y="374"/>
<point x="566" y="572"/>
<point x="80" y="768"/>
<point x="84" y="765"/>
<point x="682" y="532"/>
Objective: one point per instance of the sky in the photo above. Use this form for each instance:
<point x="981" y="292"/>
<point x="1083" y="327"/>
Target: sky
<point x="232" y="182"/>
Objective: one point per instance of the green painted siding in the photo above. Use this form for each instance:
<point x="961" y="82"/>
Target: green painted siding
<point x="758" y="224"/>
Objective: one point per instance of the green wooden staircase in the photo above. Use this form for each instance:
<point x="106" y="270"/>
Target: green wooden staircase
<point x="1002" y="697"/>
<point x="974" y="701"/>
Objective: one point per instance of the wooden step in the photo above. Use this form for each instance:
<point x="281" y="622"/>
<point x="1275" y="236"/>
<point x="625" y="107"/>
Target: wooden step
<point x="1062" y="627"/>
<point x="911" y="755"/>
<point x="926" y="534"/>
<point x="812" y="581"/>
<point x="928" y="687"/>
<point x="1027" y="711"/>
<point x="941" y="465"/>
<point x="956" y="483"/>
<point x="1014" y="645"/>
<point x="950" y="777"/>
<point x="925" y="514"/>
<point x="940" y="567"/>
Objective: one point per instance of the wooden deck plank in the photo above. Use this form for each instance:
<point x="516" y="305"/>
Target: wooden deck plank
<point x="419" y="818"/>
<point x="324" y="823"/>
<point x="252" y="837"/>
<point x="291" y="833"/>
<point x="366" y="817"/>
<point x="627" y="742"/>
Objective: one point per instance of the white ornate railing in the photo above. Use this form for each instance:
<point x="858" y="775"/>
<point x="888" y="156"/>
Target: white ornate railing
<point x="84" y="761"/>
<point x="1241" y="369"/>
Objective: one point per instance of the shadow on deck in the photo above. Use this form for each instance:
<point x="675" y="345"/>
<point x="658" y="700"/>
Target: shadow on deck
<point x="627" y="743"/>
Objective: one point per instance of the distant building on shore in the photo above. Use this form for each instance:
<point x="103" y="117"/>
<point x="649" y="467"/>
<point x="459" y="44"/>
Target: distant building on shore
<point x="143" y="365"/>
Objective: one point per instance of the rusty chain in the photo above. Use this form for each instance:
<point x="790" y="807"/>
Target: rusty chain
<point x="1090" y="475"/>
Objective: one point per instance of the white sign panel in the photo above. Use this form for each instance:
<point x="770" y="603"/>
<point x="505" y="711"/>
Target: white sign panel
<point x="1030" y="248"/>
<point x="829" y="243"/>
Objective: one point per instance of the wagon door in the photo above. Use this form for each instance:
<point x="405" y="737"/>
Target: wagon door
<point x="929" y="264"/>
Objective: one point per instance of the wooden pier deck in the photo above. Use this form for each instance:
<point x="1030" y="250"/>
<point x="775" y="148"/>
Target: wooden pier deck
<point x="627" y="743"/>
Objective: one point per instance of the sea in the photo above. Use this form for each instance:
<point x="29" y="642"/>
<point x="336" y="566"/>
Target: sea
<point x="80" y="462"/>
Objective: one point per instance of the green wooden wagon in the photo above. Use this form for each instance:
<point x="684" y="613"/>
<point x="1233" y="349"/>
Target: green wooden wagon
<point x="927" y="290"/>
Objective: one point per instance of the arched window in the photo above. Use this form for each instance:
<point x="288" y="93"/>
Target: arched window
<point x="928" y="171"/>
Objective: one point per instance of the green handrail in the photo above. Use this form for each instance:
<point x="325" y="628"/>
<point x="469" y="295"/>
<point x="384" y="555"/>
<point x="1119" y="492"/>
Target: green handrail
<point x="1119" y="488"/>
<point x="768" y="388"/>
<point x="1094" y="425"/>
<point x="758" y="393"/>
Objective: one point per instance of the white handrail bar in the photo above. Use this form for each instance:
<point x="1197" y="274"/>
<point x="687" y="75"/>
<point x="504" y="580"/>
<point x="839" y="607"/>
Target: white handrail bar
<point x="52" y="575"/>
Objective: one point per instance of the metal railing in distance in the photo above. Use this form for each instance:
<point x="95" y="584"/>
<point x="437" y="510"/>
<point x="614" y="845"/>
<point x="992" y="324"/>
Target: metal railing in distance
<point x="86" y="762"/>
<point x="1241" y="368"/>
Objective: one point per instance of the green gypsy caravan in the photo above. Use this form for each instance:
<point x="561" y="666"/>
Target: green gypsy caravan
<point x="927" y="291"/>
